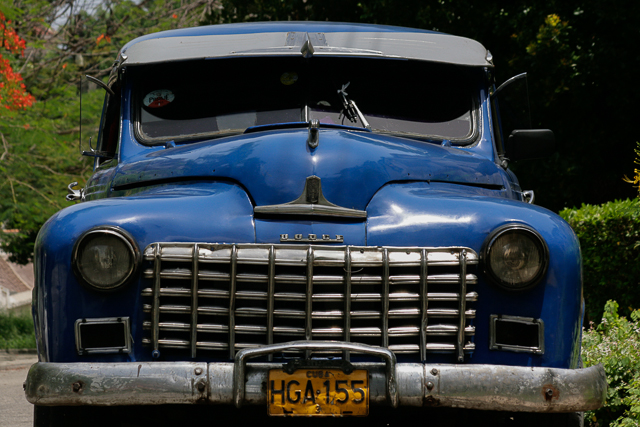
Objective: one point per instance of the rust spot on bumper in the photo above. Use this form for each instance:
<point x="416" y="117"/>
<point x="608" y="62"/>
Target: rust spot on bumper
<point x="550" y="392"/>
<point x="431" y="401"/>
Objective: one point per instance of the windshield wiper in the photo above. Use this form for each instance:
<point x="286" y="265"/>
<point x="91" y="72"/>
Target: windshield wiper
<point x="350" y="110"/>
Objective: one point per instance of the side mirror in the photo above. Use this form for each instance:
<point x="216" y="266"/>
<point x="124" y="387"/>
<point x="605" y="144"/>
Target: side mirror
<point x="107" y="135"/>
<point x="530" y="144"/>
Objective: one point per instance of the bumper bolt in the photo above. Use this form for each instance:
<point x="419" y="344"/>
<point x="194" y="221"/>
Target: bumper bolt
<point x="434" y="372"/>
<point x="198" y="371"/>
<point x="429" y="385"/>
<point x="200" y="386"/>
<point x="77" y="386"/>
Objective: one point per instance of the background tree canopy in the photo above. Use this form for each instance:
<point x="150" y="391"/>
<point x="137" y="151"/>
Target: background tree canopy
<point x="580" y="55"/>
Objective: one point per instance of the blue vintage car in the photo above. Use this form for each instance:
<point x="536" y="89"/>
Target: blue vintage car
<point x="309" y="219"/>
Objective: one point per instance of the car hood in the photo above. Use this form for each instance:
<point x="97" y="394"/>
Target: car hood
<point x="273" y="166"/>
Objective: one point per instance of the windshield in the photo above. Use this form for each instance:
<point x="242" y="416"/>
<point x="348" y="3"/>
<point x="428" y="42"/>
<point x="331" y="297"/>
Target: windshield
<point x="198" y="99"/>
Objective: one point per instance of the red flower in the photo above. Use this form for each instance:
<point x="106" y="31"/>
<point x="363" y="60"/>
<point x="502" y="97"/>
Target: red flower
<point x="13" y="93"/>
<point x="101" y="37"/>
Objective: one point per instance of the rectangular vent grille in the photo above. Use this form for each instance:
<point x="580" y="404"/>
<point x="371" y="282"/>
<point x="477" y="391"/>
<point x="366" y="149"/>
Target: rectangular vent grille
<point x="216" y="299"/>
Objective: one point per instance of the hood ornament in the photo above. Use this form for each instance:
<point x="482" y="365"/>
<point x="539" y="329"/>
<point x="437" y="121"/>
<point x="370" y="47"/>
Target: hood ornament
<point x="311" y="202"/>
<point x="314" y="133"/>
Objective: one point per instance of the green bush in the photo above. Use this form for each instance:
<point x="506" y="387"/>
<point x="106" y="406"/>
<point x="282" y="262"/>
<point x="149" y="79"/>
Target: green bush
<point x="16" y="331"/>
<point x="610" y="241"/>
<point x="616" y="344"/>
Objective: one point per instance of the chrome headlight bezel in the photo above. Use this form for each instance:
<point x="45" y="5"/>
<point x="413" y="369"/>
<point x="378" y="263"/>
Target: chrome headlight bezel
<point x="134" y="257"/>
<point x="524" y="232"/>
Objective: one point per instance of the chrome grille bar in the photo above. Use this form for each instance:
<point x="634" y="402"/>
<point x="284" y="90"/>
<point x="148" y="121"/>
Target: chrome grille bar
<point x="194" y="300"/>
<point x="221" y="298"/>
<point x="155" y="336"/>
<point x="347" y="301"/>
<point x="232" y="302"/>
<point x="309" y="300"/>
<point x="270" y="297"/>
<point x="463" y="302"/>
<point x="385" y="298"/>
<point x="425" y="304"/>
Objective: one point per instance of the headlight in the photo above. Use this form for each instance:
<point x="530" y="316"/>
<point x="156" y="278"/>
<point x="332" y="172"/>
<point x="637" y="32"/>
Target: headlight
<point x="516" y="257"/>
<point x="105" y="257"/>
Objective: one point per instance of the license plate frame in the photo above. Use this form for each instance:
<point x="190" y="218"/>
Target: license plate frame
<point x="318" y="392"/>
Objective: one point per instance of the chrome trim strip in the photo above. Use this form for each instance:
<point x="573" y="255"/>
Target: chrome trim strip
<point x="484" y="387"/>
<point x="310" y="209"/>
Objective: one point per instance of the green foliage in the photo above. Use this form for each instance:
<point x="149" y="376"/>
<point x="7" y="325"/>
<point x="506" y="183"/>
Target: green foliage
<point x="616" y="344"/>
<point x="636" y="178"/>
<point x="609" y="238"/>
<point x="16" y="331"/>
<point x="39" y="152"/>
<point x="39" y="158"/>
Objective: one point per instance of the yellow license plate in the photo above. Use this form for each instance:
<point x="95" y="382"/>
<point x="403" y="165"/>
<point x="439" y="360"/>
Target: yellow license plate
<point x="318" y="392"/>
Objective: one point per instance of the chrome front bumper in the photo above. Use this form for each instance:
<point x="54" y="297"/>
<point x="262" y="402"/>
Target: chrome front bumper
<point x="485" y="387"/>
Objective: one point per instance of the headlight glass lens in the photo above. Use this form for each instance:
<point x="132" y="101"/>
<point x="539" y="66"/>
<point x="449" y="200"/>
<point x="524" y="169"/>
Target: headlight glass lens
<point x="517" y="258"/>
<point x="105" y="259"/>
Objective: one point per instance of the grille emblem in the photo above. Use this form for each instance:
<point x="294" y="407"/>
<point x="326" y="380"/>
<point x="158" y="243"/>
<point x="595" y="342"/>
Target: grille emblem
<point x="324" y="238"/>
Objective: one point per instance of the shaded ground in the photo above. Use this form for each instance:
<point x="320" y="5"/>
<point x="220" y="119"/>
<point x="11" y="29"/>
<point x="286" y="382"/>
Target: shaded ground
<point x="15" y="411"/>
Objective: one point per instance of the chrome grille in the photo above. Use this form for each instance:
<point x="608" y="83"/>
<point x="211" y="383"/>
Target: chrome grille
<point x="221" y="298"/>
